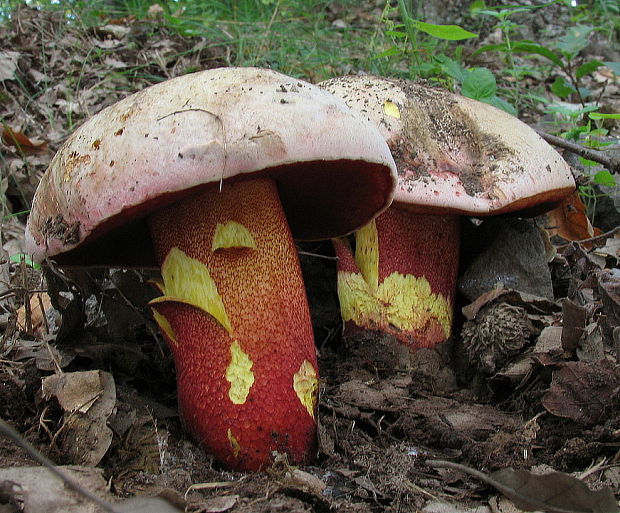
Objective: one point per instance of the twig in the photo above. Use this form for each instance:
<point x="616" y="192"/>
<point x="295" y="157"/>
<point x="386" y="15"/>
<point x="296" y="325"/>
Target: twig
<point x="316" y="255"/>
<point x="611" y="162"/>
<point x="509" y="492"/>
<point x="13" y="435"/>
<point x="154" y="504"/>
<point x="596" y="238"/>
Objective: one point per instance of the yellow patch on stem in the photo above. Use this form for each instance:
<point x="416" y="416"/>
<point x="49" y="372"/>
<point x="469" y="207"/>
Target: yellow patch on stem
<point x="404" y="301"/>
<point x="239" y="374"/>
<point x="391" y="109"/>
<point x="164" y="326"/>
<point x="158" y="283"/>
<point x="187" y="280"/>
<point x="232" y="235"/>
<point x="306" y="385"/>
<point x="234" y="443"/>
<point x="367" y="254"/>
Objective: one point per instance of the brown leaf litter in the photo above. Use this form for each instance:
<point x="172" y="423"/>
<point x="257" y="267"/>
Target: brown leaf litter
<point x="89" y="382"/>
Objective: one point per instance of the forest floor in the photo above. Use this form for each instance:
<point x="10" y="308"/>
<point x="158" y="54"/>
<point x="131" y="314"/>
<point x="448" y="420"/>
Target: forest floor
<point x="385" y="416"/>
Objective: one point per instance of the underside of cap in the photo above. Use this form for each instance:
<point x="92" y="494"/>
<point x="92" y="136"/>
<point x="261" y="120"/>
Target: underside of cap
<point x="455" y="154"/>
<point x="333" y="169"/>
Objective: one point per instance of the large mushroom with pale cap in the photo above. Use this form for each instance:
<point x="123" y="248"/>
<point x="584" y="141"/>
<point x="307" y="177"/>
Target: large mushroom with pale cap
<point x="203" y="175"/>
<point x="455" y="156"/>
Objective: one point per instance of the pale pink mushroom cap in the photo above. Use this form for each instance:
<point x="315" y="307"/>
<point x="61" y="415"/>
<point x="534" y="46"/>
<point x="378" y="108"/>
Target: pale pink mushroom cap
<point x="455" y="154"/>
<point x="333" y="168"/>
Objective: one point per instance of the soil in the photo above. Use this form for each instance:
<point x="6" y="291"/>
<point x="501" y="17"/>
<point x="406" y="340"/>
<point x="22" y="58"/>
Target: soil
<point x="384" y="413"/>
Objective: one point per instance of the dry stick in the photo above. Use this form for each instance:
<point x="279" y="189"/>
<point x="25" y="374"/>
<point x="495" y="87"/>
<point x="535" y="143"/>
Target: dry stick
<point x="596" y="238"/>
<point x="13" y="435"/>
<point x="152" y="504"/>
<point x="611" y="162"/>
<point x="509" y="492"/>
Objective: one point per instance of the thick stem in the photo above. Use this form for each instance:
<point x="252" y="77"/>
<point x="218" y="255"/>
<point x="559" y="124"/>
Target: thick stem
<point x="242" y="342"/>
<point x="402" y="277"/>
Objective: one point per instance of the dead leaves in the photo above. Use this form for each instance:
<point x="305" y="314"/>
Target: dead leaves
<point x="569" y="220"/>
<point x="36" y="489"/>
<point x="584" y="392"/>
<point x="554" y="492"/>
<point x="88" y="399"/>
<point x="8" y="64"/>
<point x="21" y="143"/>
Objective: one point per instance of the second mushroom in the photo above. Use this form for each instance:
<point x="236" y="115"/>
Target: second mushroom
<point x="455" y="156"/>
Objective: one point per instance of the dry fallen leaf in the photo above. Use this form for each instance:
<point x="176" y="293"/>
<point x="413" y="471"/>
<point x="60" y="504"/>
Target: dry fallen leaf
<point x="554" y="492"/>
<point x="40" y="303"/>
<point x="609" y="290"/>
<point x="44" y="494"/>
<point x="611" y="248"/>
<point x="88" y="399"/>
<point x="21" y="142"/>
<point x="38" y="490"/>
<point x="8" y="64"/>
<point x="574" y="322"/>
<point x="583" y="392"/>
<point x="569" y="220"/>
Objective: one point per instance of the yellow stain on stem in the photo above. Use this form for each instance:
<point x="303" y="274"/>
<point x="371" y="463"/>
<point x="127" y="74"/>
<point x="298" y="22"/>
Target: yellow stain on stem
<point x="367" y="254"/>
<point x="187" y="280"/>
<point x="232" y="235"/>
<point x="234" y="443"/>
<point x="404" y="301"/>
<point x="306" y="385"/>
<point x="239" y="374"/>
<point x="164" y="326"/>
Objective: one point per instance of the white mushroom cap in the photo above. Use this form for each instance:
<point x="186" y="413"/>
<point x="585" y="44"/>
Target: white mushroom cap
<point x="455" y="154"/>
<point x="333" y="168"/>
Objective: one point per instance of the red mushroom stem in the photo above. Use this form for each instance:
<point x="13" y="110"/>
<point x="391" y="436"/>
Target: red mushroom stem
<point x="242" y="343"/>
<point x="402" y="278"/>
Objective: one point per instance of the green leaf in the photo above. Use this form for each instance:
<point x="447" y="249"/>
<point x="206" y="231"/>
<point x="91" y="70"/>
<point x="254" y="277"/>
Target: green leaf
<point x="562" y="87"/>
<point x="588" y="163"/>
<point x="396" y="33"/>
<point x="584" y="92"/>
<point x="498" y="102"/>
<point x="488" y="12"/>
<point x="394" y="50"/>
<point x="571" y="110"/>
<point x="600" y="115"/>
<point x="604" y="178"/>
<point x="479" y="84"/>
<point x="453" y="69"/>
<point x="587" y="67"/>
<point x="448" y="32"/>
<point x="522" y="47"/>
<point x="19" y="257"/>
<point x="475" y="6"/>
<point x="499" y="47"/>
<point x="537" y="49"/>
<point x="575" y="40"/>
<point x="613" y="66"/>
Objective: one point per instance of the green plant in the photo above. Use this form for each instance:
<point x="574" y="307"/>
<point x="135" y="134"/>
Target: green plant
<point x="423" y="47"/>
<point x="564" y="56"/>
<point x="417" y="44"/>
<point x="584" y="127"/>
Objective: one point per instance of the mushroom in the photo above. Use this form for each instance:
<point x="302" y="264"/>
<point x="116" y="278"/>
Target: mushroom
<point x="455" y="156"/>
<point x="203" y="175"/>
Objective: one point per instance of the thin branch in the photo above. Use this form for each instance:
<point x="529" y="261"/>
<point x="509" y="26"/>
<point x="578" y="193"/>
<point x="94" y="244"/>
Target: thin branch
<point x="8" y="432"/>
<point x="610" y="161"/>
<point x="508" y="491"/>
<point x="596" y="238"/>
